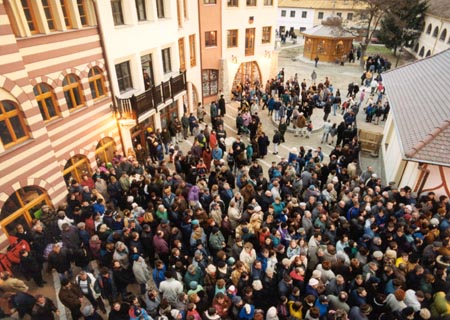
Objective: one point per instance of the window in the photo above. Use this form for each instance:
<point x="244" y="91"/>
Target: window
<point x="147" y="71"/>
<point x="209" y="1"/>
<point x="75" y="168"/>
<point x="428" y="53"/>
<point x="232" y="3"/>
<point x="422" y="51"/>
<point x="22" y="207"/>
<point x="443" y="35"/>
<point x="72" y="91"/>
<point x="179" y="16"/>
<point x="320" y="15"/>
<point x="182" y="54"/>
<point x="167" y="64"/>
<point x="429" y="28"/>
<point x="251" y="3"/>
<point x="211" y="39"/>
<point x="266" y="34"/>
<point x="339" y="14"/>
<point x="250" y="41"/>
<point x="283" y="13"/>
<point x="29" y="15"/>
<point x="116" y="6"/>
<point x="232" y="38"/>
<point x="96" y="82"/>
<point x="268" y="2"/>
<point x="46" y="100"/>
<point x="140" y="9"/>
<point x="12" y="124"/>
<point x="304" y="14"/>
<point x="292" y="14"/>
<point x="48" y="14"/>
<point x="192" y="55"/>
<point x="210" y="82"/>
<point x="435" y="32"/>
<point x="124" y="76"/>
<point x="350" y="16"/>
<point x="104" y="152"/>
<point x="160" y="8"/>
<point x="82" y="11"/>
<point x="67" y="19"/>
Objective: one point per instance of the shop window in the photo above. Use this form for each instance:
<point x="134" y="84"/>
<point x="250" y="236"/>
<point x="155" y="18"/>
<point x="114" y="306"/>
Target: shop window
<point x="210" y="82"/>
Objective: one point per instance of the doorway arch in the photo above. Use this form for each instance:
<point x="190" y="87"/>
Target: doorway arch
<point x="247" y="73"/>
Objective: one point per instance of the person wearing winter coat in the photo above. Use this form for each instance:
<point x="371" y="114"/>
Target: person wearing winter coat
<point x="8" y="283"/>
<point x="31" y="267"/>
<point x="86" y="282"/>
<point x="263" y="143"/>
<point x="71" y="297"/>
<point x="141" y="272"/>
<point x="44" y="309"/>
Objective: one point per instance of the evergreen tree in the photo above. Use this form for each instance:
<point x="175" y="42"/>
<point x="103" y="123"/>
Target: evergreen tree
<point x="402" y="23"/>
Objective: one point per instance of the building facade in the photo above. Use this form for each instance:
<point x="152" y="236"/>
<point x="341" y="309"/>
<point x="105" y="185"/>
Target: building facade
<point x="148" y="44"/>
<point x="416" y="150"/>
<point x="237" y="40"/>
<point x="299" y="15"/>
<point x="435" y="36"/>
<point x="55" y="119"/>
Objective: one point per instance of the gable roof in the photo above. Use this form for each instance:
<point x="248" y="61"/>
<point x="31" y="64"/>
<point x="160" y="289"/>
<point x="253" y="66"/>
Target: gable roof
<point x="420" y="103"/>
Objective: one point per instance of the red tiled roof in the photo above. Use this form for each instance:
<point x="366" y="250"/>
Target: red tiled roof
<point x="419" y="96"/>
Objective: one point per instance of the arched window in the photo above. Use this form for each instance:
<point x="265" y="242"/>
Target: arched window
<point x="435" y="32"/>
<point x="21" y="207"/>
<point x="429" y="28"/>
<point x="443" y="35"/>
<point x="75" y="168"/>
<point x="72" y="91"/>
<point x="428" y="53"/>
<point x="96" y="82"/>
<point x="416" y="48"/>
<point x="422" y="51"/>
<point x="45" y="98"/>
<point x="104" y="152"/>
<point x="13" y="129"/>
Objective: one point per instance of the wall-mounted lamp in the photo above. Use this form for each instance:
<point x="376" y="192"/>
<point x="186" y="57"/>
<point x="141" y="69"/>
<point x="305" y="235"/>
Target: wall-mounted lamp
<point x="267" y="54"/>
<point x="233" y="59"/>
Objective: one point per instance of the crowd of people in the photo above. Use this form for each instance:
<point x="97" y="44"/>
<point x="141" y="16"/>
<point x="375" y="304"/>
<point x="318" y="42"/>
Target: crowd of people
<point x="209" y="234"/>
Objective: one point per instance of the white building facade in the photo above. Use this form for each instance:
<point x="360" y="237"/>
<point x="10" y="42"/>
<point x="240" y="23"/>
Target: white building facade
<point x="148" y="43"/>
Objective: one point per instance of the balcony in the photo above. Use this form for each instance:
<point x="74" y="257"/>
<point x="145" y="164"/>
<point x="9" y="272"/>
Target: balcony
<point x="135" y="106"/>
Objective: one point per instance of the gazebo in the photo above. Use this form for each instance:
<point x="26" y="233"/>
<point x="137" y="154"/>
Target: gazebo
<point x="328" y="41"/>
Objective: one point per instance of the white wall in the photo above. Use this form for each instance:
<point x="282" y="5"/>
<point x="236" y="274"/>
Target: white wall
<point x="297" y="22"/>
<point x="430" y="43"/>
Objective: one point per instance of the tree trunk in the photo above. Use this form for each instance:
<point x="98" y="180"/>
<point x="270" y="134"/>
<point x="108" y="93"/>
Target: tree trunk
<point x="395" y="50"/>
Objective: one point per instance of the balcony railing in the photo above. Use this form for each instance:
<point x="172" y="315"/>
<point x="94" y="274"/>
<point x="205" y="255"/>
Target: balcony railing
<point x="135" y="106"/>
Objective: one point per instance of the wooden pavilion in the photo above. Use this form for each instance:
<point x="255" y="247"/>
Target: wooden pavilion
<point x="328" y="41"/>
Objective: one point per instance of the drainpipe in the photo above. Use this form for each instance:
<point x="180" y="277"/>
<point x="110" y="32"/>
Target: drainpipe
<point x="108" y="70"/>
